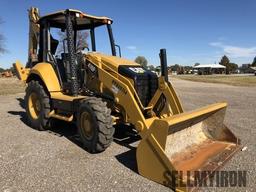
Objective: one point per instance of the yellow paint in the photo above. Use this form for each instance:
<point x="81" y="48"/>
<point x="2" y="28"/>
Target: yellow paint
<point x="61" y="117"/>
<point x="34" y="105"/>
<point x="61" y="96"/>
<point x="194" y="114"/>
<point x="47" y="74"/>
<point x="152" y="154"/>
<point x="81" y="14"/>
<point x="110" y="61"/>
<point x="21" y="71"/>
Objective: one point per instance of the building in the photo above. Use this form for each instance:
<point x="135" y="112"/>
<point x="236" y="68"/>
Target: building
<point x="254" y="70"/>
<point x="246" y="65"/>
<point x="246" y="68"/>
<point x="207" y="69"/>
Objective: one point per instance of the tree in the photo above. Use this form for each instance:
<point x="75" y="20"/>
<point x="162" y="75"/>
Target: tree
<point x="158" y="69"/>
<point x="142" y="61"/>
<point x="2" y="39"/>
<point x="225" y="62"/>
<point x="232" y="67"/>
<point x="254" y="62"/>
<point x="81" y="41"/>
<point x="151" y="68"/>
<point x="181" y="70"/>
<point x="1" y="70"/>
<point x="12" y="69"/>
<point x="175" y="67"/>
<point x="188" y="69"/>
<point x="196" y="64"/>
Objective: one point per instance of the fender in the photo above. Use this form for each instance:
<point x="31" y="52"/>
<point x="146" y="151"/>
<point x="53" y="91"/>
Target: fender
<point x="47" y="74"/>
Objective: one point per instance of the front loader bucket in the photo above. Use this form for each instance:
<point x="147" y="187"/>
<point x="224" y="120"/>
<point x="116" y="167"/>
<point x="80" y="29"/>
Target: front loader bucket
<point x="188" y="142"/>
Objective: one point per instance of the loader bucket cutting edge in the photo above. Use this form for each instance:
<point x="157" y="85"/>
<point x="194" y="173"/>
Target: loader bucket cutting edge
<point x="191" y="141"/>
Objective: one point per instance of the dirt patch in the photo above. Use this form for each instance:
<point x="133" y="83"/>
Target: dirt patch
<point x="11" y="85"/>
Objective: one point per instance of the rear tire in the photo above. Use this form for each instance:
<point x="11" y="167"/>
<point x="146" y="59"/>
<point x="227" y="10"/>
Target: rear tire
<point x="37" y="104"/>
<point x="95" y="124"/>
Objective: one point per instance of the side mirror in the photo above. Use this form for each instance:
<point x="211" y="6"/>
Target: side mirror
<point x="119" y="50"/>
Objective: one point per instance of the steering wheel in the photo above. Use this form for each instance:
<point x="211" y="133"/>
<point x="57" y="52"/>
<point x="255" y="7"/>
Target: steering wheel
<point x="86" y="48"/>
<point x="82" y="49"/>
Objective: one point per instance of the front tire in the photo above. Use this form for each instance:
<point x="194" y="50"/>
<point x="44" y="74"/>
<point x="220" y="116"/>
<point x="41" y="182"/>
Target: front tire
<point x="37" y="106"/>
<point x="95" y="124"/>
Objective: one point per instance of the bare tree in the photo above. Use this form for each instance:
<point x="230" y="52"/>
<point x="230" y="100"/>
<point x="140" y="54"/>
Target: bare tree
<point x="81" y="41"/>
<point x="2" y="39"/>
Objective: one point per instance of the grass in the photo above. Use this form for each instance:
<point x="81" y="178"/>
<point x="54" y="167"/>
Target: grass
<point x="11" y="85"/>
<point x="235" y="80"/>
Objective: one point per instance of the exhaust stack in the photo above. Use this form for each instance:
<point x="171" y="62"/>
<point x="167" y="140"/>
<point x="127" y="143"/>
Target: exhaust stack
<point x="163" y="63"/>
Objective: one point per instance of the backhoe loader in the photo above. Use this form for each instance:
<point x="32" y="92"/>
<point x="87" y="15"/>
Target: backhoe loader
<point x="97" y="91"/>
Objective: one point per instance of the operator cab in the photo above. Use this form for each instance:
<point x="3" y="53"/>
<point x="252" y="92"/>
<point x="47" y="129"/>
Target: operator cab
<point x="54" y="38"/>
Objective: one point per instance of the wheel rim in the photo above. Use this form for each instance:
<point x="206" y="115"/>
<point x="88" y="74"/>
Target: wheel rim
<point x="34" y="105"/>
<point x="86" y="125"/>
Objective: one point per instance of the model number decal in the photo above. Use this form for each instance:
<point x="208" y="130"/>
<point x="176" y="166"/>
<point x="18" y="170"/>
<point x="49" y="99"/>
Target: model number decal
<point x="116" y="87"/>
<point x="92" y="67"/>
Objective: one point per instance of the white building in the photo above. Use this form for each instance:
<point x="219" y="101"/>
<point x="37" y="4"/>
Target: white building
<point x="206" y="69"/>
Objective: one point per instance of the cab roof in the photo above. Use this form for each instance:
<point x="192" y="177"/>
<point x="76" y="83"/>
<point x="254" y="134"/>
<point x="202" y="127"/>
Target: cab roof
<point x="83" y="20"/>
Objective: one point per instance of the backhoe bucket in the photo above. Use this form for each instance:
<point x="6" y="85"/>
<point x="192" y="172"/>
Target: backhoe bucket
<point x="193" y="141"/>
<point x="21" y="71"/>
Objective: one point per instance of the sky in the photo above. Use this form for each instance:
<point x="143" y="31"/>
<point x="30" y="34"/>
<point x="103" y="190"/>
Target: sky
<point x="191" y="30"/>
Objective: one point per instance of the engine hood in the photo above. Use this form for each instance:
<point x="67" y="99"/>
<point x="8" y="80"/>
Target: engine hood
<point x="112" y="61"/>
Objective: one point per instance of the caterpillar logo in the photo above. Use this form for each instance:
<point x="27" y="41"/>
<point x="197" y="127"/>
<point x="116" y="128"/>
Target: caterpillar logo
<point x="116" y="88"/>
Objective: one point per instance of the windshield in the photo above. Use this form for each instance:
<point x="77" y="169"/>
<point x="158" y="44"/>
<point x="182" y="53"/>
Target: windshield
<point x="96" y="39"/>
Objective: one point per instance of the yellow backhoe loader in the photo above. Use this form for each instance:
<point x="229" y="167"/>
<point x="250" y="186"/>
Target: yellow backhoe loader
<point x="97" y="90"/>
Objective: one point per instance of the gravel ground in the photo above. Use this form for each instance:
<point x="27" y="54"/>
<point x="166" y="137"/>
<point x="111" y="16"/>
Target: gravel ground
<point x="54" y="161"/>
<point x="11" y="85"/>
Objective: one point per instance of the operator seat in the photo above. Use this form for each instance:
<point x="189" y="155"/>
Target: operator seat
<point x="54" y="45"/>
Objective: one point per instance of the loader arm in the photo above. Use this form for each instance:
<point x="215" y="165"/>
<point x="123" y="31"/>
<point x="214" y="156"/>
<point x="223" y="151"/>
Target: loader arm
<point x="111" y="79"/>
<point x="168" y="141"/>
<point x="122" y="95"/>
